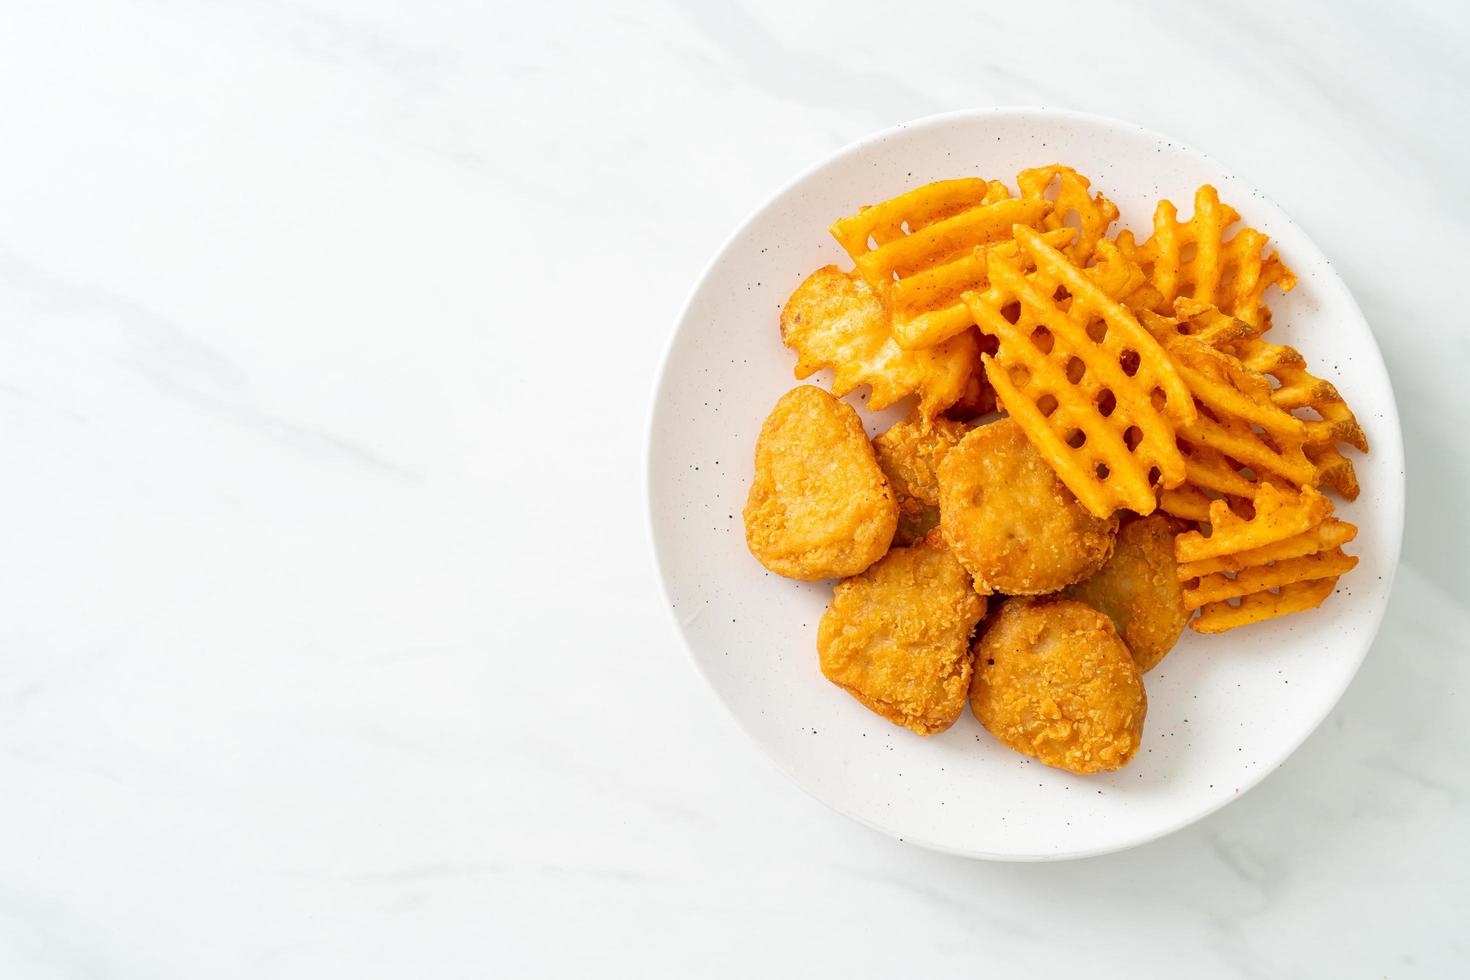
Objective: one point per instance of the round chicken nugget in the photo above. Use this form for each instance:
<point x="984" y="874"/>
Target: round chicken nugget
<point x="1010" y="521"/>
<point x="1053" y="680"/>
<point x="819" y="506"/>
<point x="1139" y="589"/>
<point x="897" y="637"/>
<point x="909" y="453"/>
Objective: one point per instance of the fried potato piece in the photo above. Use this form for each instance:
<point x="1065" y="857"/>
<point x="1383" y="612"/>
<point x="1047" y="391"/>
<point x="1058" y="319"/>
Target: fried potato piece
<point x="1139" y="590"/>
<point x="1010" y="521"/>
<point x="1053" y="680"/>
<point x="819" y="506"/>
<point x="1194" y="259"/>
<point x="1285" y="558"/>
<point x="897" y="637"/>
<point x="909" y="453"/>
<point x="836" y="320"/>
<point x="1094" y="391"/>
<point x="1092" y="214"/>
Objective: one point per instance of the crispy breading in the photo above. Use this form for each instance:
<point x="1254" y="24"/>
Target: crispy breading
<point x="897" y="637"/>
<point x="1139" y="589"/>
<point x="909" y="453"/>
<point x="835" y="320"/>
<point x="819" y="506"/>
<point x="1053" y="680"/>
<point x="1009" y="519"/>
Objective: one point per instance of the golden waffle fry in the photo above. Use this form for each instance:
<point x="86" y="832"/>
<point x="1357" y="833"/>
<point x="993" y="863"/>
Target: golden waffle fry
<point x="1250" y="360"/>
<point x="834" y="320"/>
<point x="932" y="243"/>
<point x="1094" y="392"/>
<point x="1093" y="215"/>
<point x="1284" y="559"/>
<point x="1194" y="259"/>
<point x="1186" y="502"/>
<point x="1331" y="533"/>
<point x="916" y="251"/>
<point x="1213" y="472"/>
<point x="876" y="225"/>
<point x="1299" y="390"/>
<point x="1199" y="320"/>
<point x="1237" y="419"/>
<point x="1121" y="277"/>
<point x="1279" y="514"/>
<point x="929" y="308"/>
<point x="1218" y="617"/>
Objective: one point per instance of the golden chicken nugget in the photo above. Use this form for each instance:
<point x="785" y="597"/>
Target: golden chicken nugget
<point x="1010" y="521"/>
<point x="1139" y="589"/>
<point x="909" y="453"/>
<point x="897" y="637"/>
<point x="1053" y="680"/>
<point x="819" y="506"/>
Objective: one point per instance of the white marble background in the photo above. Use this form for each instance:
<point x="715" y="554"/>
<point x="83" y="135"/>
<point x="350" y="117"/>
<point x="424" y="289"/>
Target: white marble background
<point x="331" y="642"/>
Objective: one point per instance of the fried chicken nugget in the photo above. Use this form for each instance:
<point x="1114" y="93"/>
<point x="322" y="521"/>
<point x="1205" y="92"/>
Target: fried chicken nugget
<point x="1010" y="521"/>
<point x="909" y="453"/>
<point x="897" y="637"/>
<point x="819" y="506"/>
<point x="1054" y="681"/>
<point x="1139" y="589"/>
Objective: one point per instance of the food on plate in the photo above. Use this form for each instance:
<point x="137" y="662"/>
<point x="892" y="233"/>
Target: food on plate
<point x="1194" y="258"/>
<point x="1138" y="589"/>
<point x="1298" y="390"/>
<point x="909" y="453"/>
<point x="916" y="251"/>
<point x="835" y="320"/>
<point x="819" y="506"/>
<point x="1132" y="377"/>
<point x="1286" y="558"/>
<point x="1263" y="410"/>
<point x="977" y="400"/>
<point x="1071" y="205"/>
<point x="1239" y="440"/>
<point x="897" y="636"/>
<point x="1054" y="681"/>
<point x="1010" y="521"/>
<point x="1092" y="389"/>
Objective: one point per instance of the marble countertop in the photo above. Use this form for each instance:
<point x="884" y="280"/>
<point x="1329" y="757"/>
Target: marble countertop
<point x="333" y="646"/>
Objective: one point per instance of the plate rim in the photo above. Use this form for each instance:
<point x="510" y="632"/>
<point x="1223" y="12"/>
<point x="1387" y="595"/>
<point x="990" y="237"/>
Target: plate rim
<point x="1390" y="422"/>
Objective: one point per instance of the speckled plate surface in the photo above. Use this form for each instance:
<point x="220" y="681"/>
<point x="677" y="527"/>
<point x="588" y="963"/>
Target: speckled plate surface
<point x="1223" y="711"/>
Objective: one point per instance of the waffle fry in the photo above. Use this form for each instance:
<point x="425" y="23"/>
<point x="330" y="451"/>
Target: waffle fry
<point x="1331" y="533"/>
<point x="1194" y="259"/>
<point x="1253" y="363"/>
<point x="1121" y="277"/>
<point x="1280" y="514"/>
<point x="834" y="320"/>
<point x="1092" y="214"/>
<point x="1285" y="559"/>
<point x="1187" y="502"/>
<point x="879" y="224"/>
<point x="1093" y="391"/>
<point x="916" y="251"/>
<point x="1299" y="390"/>
<point x="929" y="308"/>
<point x="1199" y="320"/>
<point x="1237" y="419"/>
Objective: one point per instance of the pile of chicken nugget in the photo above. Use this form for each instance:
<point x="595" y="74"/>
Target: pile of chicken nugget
<point x="1105" y="448"/>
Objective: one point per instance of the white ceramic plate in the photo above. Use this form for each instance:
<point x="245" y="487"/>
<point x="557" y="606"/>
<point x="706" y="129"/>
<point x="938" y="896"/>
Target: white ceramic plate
<point x="1223" y="711"/>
